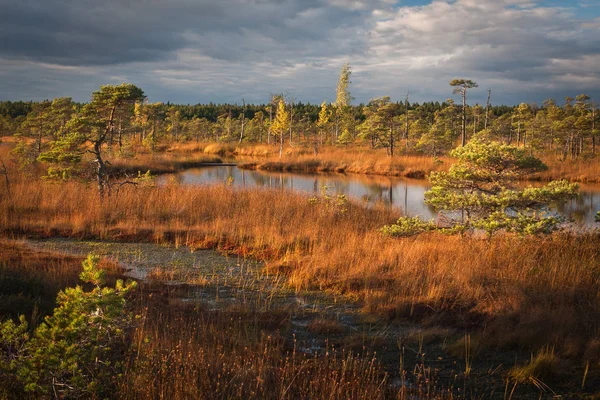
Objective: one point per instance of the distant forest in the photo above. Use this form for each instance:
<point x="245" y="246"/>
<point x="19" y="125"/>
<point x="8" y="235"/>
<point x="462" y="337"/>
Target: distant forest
<point x="430" y="128"/>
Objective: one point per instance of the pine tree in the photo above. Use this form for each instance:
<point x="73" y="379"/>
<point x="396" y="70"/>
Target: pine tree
<point x="478" y="192"/>
<point x="461" y="86"/>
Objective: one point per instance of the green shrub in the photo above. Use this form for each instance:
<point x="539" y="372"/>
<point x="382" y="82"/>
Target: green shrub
<point x="76" y="351"/>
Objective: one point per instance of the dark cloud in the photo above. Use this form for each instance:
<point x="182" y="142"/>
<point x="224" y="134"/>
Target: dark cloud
<point x="89" y="32"/>
<point x="223" y="50"/>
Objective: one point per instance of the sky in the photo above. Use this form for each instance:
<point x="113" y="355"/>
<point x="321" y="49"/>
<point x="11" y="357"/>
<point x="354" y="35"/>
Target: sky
<point x="229" y="51"/>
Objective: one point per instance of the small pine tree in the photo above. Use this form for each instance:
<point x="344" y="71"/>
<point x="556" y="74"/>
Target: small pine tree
<point x="76" y="351"/>
<point x="478" y="193"/>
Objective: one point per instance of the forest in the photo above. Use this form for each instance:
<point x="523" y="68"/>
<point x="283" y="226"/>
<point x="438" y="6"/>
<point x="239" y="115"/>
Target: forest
<point x="432" y="128"/>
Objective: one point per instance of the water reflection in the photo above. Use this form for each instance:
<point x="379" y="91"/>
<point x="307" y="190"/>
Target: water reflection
<point x="405" y="194"/>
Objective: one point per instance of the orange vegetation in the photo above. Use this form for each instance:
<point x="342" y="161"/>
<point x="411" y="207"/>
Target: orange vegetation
<point x="526" y="289"/>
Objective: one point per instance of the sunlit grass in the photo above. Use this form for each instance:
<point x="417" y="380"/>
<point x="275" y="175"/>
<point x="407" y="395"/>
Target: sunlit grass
<point x="529" y="289"/>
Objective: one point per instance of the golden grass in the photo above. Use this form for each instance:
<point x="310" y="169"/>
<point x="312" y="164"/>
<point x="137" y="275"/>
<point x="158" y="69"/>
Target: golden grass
<point x="186" y="147"/>
<point x="221" y="355"/>
<point x="364" y="160"/>
<point x="529" y="290"/>
<point x="544" y="367"/>
<point x="220" y="149"/>
<point x="301" y="158"/>
<point x="261" y="150"/>
<point x="30" y="280"/>
<point x="179" y="351"/>
<point x="160" y="163"/>
<point x="354" y="160"/>
<point x="359" y="160"/>
<point x="581" y="170"/>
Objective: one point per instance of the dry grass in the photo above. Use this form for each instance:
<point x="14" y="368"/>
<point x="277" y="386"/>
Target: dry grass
<point x="260" y="150"/>
<point x="220" y="355"/>
<point x="220" y="149"/>
<point x="358" y="160"/>
<point x="30" y="280"/>
<point x="179" y="351"/>
<point x="544" y="367"/>
<point x="529" y="291"/>
<point x="300" y="158"/>
<point x="581" y="170"/>
<point x="187" y="147"/>
<point x="160" y="163"/>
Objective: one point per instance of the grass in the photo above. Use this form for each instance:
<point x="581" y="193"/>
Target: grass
<point x="580" y="170"/>
<point x="356" y="160"/>
<point x="30" y="280"/>
<point x="363" y="161"/>
<point x="326" y="326"/>
<point x="528" y="290"/>
<point x="175" y="156"/>
<point x="544" y="367"/>
<point x="183" y="354"/>
<point x="159" y="163"/>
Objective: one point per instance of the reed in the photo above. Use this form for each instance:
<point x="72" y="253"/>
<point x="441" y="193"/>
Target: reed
<point x="178" y="354"/>
<point x="358" y="161"/>
<point x="580" y="170"/>
<point x="528" y="290"/>
<point x="159" y="163"/>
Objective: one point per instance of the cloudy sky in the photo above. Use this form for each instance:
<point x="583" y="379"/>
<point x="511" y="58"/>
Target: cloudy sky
<point x="196" y="51"/>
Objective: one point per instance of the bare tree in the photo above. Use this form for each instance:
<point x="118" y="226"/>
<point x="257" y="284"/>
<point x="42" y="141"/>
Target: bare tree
<point x="406" y="122"/>
<point x="243" y="120"/>
<point x="487" y="107"/>
<point x="460" y="87"/>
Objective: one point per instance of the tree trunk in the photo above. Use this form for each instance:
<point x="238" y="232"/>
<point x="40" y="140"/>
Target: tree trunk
<point x="291" y="120"/>
<point x="337" y="124"/>
<point x="281" y="144"/>
<point x="101" y="168"/>
<point x="487" y="108"/>
<point x="464" y="118"/>
<point x="406" y="122"/>
<point x="593" y="129"/>
<point x="120" y="134"/>
<point x="243" y="121"/>
<point x="391" y="141"/>
<point x="270" y="123"/>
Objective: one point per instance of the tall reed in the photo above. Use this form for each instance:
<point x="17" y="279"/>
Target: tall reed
<point x="527" y="289"/>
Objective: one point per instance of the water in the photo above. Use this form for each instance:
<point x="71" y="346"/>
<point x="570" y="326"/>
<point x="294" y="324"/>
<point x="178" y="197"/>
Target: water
<point x="406" y="194"/>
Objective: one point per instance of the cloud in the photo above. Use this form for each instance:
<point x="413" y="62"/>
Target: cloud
<point x="532" y="50"/>
<point x="226" y="50"/>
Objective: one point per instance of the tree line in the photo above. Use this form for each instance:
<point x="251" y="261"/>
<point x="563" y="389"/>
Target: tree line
<point x="431" y="128"/>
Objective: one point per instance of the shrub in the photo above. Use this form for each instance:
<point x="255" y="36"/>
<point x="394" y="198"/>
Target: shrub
<point x="75" y="352"/>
